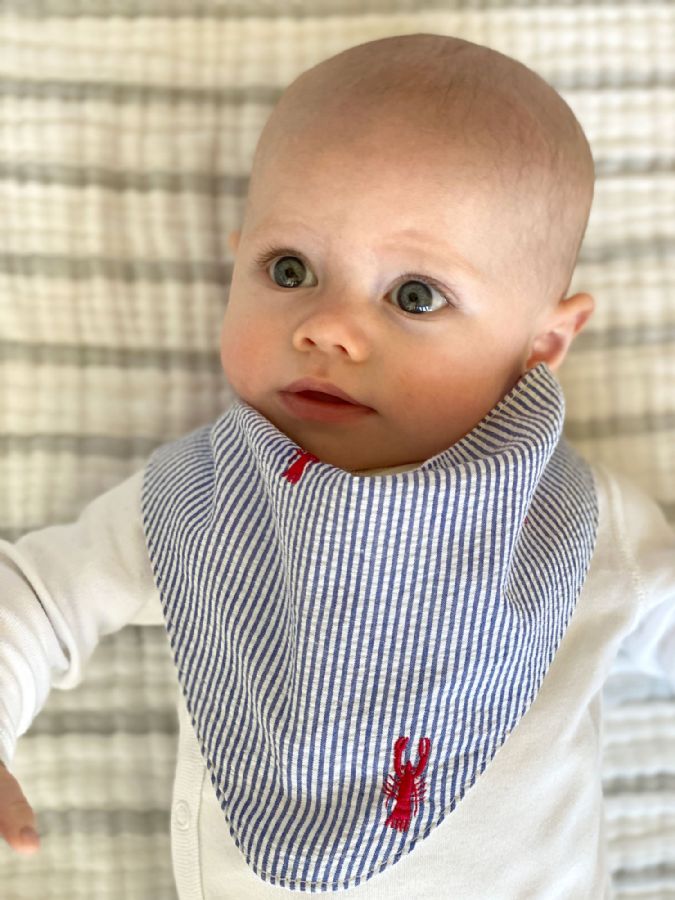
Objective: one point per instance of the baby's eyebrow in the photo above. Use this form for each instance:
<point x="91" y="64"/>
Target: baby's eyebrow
<point x="436" y="252"/>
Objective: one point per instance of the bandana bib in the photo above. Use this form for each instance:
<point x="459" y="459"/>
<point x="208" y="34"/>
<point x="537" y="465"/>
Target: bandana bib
<point x="353" y="651"/>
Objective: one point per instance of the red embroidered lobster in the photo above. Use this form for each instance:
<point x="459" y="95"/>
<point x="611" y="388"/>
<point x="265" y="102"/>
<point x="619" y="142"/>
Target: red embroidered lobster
<point x="406" y="787"/>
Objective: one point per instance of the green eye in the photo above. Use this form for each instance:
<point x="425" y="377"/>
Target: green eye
<point x="417" y="297"/>
<point x="288" y="271"/>
<point x="414" y="295"/>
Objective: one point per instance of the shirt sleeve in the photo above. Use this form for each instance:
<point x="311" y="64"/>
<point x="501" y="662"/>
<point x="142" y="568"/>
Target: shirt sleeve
<point x="62" y="588"/>
<point x="647" y="544"/>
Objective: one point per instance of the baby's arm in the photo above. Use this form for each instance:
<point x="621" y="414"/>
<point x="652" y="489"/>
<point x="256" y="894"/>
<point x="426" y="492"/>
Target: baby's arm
<point x="61" y="589"/>
<point x="647" y="543"/>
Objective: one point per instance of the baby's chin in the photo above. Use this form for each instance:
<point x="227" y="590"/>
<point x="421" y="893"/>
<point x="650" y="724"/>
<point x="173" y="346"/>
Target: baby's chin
<point x="337" y="445"/>
<point x="355" y="458"/>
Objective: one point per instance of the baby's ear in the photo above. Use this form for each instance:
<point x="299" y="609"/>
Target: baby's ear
<point x="567" y="320"/>
<point x="233" y="240"/>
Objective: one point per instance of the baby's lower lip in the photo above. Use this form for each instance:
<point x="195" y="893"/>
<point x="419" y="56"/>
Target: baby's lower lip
<point x="314" y="406"/>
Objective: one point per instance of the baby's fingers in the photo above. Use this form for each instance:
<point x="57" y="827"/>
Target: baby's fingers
<point x="17" y="819"/>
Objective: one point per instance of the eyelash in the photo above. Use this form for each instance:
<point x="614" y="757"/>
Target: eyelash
<point x="263" y="260"/>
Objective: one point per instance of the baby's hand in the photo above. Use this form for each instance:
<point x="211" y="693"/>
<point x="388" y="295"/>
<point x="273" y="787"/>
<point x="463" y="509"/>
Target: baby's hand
<point x="17" y="818"/>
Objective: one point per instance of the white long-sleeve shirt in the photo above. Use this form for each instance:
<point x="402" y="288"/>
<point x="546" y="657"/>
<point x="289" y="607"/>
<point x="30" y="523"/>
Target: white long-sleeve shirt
<point x="531" y="826"/>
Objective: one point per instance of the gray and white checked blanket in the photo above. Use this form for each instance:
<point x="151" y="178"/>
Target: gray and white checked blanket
<point x="127" y="129"/>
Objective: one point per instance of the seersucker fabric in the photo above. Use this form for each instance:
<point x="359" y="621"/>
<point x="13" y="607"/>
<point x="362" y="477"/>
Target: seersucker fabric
<point x="316" y="623"/>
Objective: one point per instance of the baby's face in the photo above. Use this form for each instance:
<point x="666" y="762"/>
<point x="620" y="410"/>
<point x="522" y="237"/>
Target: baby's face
<point x="390" y="271"/>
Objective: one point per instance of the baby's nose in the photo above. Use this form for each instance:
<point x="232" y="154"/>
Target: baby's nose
<point x="333" y="329"/>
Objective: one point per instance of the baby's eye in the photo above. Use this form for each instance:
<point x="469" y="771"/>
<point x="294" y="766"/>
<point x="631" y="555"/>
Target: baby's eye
<point x="288" y="271"/>
<point x="417" y="297"/>
<point x="412" y="295"/>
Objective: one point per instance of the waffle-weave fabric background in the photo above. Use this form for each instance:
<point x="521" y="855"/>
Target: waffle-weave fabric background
<point x="127" y="128"/>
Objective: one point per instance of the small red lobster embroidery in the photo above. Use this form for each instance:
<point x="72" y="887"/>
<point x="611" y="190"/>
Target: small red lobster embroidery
<point x="297" y="467"/>
<point x="407" y="786"/>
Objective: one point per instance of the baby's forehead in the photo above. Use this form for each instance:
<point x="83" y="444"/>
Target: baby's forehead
<point x="403" y="148"/>
<point x="505" y="116"/>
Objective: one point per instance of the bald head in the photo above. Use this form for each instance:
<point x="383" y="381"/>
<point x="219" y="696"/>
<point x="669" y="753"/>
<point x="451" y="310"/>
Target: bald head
<point x="502" y="123"/>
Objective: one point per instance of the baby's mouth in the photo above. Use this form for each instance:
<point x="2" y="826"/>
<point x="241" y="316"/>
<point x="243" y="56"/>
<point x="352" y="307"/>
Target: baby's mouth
<point x="312" y="405"/>
<point x="324" y="398"/>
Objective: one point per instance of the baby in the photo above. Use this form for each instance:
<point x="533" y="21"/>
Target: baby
<point x="391" y="588"/>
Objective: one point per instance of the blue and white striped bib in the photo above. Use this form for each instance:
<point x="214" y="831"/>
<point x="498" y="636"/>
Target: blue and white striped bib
<point x="317" y="623"/>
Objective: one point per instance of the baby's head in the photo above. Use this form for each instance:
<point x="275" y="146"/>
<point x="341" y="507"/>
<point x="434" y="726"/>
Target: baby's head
<point x="414" y="215"/>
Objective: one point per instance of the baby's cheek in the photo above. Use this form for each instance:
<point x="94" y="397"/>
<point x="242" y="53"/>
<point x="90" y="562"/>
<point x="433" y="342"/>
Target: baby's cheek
<point x="242" y="355"/>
